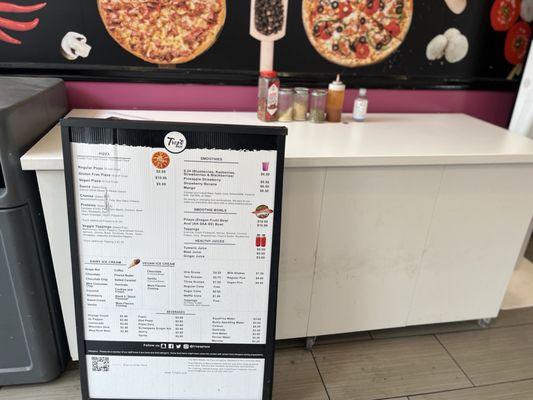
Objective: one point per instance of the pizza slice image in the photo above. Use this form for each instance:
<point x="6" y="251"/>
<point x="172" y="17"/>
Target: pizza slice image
<point x="164" y="31"/>
<point x="354" y="33"/>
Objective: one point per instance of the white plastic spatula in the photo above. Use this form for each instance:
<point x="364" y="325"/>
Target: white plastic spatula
<point x="270" y="27"/>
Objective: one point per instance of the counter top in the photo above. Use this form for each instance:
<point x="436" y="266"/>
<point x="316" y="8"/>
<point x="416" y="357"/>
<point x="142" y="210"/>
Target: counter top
<point x="382" y="140"/>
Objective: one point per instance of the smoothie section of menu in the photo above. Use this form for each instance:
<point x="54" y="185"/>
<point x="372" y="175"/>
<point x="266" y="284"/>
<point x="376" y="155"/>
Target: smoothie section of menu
<point x="174" y="247"/>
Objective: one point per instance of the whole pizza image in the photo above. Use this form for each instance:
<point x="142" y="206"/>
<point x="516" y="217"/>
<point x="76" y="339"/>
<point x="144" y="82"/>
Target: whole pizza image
<point x="356" y="32"/>
<point x="164" y="31"/>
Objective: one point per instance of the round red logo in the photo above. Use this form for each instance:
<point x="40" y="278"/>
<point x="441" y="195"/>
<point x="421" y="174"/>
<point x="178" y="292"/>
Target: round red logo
<point x="160" y="159"/>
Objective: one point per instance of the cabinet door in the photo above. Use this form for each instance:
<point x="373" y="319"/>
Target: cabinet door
<point x="372" y="232"/>
<point x="302" y="197"/>
<point x="480" y="223"/>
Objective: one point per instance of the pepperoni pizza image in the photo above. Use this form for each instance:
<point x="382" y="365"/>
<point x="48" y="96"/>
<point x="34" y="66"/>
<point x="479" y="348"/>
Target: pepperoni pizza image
<point x="354" y="33"/>
<point x="164" y="31"/>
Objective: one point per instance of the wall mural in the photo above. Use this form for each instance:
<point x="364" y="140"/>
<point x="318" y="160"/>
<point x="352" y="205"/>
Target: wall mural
<point x="375" y="43"/>
<point x="355" y="33"/>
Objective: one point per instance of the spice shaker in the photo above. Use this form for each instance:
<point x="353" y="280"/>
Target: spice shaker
<point x="285" y="106"/>
<point x="317" y="106"/>
<point x="301" y="104"/>
<point x="335" y="100"/>
<point x="268" y="93"/>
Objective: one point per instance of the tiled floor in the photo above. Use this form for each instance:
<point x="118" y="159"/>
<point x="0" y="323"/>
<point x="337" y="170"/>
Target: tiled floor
<point x="458" y="361"/>
<point x="519" y="293"/>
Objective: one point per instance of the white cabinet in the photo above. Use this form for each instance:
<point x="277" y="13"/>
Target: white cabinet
<point x="372" y="233"/>
<point x="406" y="219"/>
<point x="481" y="219"/>
<point x="302" y="199"/>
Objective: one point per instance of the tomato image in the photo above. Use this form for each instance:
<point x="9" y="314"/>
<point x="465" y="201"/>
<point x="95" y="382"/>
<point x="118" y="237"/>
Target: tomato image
<point x="517" y="42"/>
<point x="504" y="13"/>
<point x="160" y="159"/>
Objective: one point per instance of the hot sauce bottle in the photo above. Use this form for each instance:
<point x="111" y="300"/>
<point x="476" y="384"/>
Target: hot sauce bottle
<point x="335" y="100"/>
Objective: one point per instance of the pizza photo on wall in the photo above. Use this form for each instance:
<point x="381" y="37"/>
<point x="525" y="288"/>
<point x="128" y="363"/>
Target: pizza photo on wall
<point x="354" y="33"/>
<point x="164" y="31"/>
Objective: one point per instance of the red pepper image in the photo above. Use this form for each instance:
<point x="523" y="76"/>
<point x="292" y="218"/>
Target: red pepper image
<point x="19" y="26"/>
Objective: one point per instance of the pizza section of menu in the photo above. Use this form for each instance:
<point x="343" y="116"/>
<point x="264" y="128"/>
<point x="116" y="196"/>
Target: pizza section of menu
<point x="175" y="258"/>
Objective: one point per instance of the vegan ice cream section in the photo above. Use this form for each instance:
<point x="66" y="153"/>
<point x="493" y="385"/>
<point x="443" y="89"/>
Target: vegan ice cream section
<point x="406" y="219"/>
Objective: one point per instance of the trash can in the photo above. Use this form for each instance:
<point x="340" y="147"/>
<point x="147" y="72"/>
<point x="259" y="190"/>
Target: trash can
<point x="33" y="345"/>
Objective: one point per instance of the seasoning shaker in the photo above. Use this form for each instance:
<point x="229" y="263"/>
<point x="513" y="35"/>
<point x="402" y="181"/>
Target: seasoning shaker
<point x="285" y="105"/>
<point x="335" y="100"/>
<point x="267" y="96"/>
<point x="317" y="106"/>
<point x="301" y="104"/>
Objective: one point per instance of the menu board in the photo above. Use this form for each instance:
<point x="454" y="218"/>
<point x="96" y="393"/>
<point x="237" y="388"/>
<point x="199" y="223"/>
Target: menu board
<point x="174" y="232"/>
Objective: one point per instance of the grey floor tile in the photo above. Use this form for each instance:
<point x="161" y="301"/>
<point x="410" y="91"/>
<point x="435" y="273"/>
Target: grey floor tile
<point x="513" y="317"/>
<point x="493" y="355"/>
<point x="505" y="318"/>
<point x="296" y="376"/>
<point x="504" y="391"/>
<point x="66" y="387"/>
<point x="419" y="330"/>
<point x="377" y="369"/>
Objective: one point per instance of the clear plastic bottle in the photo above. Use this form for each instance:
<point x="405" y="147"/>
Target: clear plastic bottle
<point x="301" y="104"/>
<point x="360" y="106"/>
<point x="285" y="105"/>
<point x="317" y="106"/>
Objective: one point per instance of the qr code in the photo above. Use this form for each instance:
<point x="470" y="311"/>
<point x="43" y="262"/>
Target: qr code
<point x="100" y="364"/>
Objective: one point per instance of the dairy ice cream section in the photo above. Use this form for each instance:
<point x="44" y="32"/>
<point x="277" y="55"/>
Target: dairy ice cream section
<point x="174" y="232"/>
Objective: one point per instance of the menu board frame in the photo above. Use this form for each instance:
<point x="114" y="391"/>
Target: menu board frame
<point x="144" y="132"/>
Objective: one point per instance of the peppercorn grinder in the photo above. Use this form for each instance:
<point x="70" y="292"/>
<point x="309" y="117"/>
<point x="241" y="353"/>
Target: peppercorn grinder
<point x="268" y="23"/>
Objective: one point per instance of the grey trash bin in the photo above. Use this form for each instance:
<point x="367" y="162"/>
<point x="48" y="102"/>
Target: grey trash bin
<point x="33" y="346"/>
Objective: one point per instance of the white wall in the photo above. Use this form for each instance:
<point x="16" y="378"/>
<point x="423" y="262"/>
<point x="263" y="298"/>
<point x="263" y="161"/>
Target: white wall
<point x="522" y="120"/>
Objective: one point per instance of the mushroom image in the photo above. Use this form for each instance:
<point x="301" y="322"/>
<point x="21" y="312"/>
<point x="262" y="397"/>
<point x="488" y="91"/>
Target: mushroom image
<point x="452" y="45"/>
<point x="456" y="6"/>
<point x="435" y="48"/>
<point x="74" y="45"/>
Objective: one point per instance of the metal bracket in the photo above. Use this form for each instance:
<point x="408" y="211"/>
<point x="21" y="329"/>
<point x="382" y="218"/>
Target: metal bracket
<point x="484" y="322"/>
<point x="310" y="342"/>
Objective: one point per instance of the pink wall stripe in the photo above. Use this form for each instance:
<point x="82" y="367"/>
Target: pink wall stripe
<point x="495" y="107"/>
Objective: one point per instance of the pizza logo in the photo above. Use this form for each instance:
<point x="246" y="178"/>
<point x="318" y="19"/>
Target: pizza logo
<point x="160" y="159"/>
<point x="262" y="211"/>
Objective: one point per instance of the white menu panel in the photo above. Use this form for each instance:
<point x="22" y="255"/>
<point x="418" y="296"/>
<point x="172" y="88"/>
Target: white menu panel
<point x="174" y="253"/>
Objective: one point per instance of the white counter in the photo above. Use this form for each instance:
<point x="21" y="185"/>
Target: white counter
<point x="384" y="139"/>
<point x="402" y="220"/>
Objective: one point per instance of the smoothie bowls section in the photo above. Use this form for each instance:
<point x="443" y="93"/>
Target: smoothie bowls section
<point x="356" y="32"/>
<point x="164" y="31"/>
